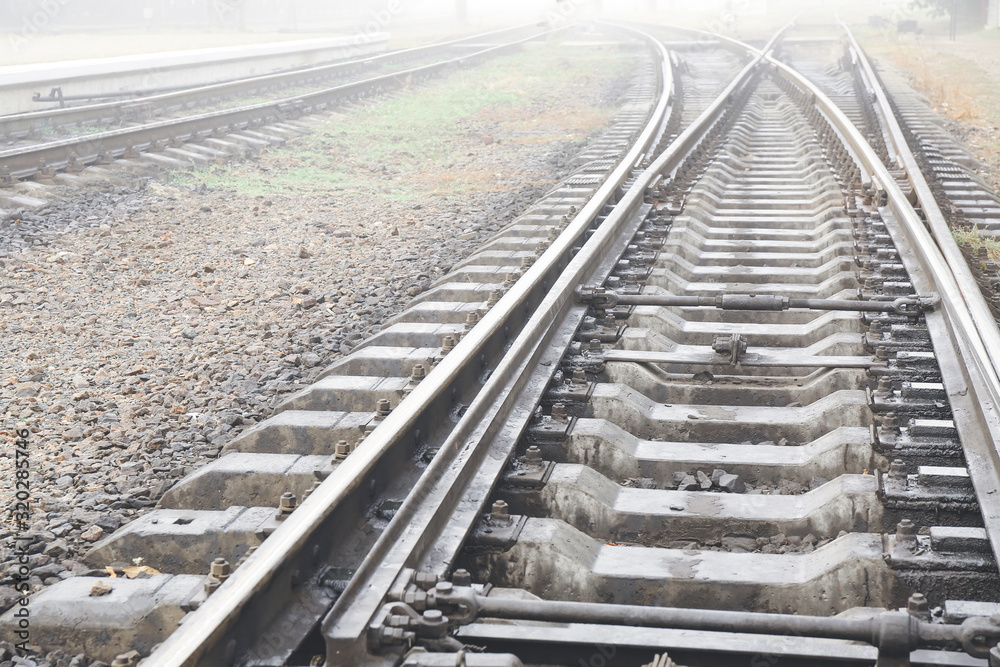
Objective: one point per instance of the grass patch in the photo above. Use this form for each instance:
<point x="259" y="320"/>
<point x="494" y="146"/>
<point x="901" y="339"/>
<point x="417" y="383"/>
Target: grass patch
<point x="959" y="78"/>
<point x="974" y="239"/>
<point x="420" y="141"/>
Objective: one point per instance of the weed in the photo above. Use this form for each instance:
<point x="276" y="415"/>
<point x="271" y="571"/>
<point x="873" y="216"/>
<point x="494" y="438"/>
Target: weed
<point x="417" y="142"/>
<point x="974" y="238"/>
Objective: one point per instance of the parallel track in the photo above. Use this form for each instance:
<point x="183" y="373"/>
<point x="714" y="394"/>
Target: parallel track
<point x="721" y="396"/>
<point x="187" y="126"/>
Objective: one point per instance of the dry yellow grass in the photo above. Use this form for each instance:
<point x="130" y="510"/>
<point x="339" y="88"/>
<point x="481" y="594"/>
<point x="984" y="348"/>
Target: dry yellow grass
<point x="961" y="79"/>
<point x="974" y="239"/>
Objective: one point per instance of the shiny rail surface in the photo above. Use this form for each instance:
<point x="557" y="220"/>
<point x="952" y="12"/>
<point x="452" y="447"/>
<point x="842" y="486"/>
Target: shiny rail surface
<point x="430" y="361"/>
<point x="724" y="397"/>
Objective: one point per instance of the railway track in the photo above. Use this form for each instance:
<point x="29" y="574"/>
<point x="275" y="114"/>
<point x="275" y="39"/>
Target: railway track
<point x="723" y="397"/>
<point x="208" y="123"/>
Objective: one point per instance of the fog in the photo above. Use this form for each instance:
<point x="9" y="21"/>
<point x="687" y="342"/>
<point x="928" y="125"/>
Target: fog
<point x="48" y="30"/>
<point x="26" y="17"/>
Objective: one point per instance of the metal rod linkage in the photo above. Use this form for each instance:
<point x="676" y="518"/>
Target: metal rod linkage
<point x="891" y="632"/>
<point x="606" y="299"/>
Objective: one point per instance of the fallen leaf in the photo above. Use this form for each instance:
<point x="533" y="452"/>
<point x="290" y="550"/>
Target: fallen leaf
<point x="136" y="570"/>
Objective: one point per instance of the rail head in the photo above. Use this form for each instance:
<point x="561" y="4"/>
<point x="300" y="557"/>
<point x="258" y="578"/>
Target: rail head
<point x="497" y="408"/>
<point x="975" y="328"/>
<point x="206" y="627"/>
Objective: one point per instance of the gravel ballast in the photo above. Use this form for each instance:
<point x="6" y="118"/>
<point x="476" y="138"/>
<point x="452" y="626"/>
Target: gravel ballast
<point x="145" y="327"/>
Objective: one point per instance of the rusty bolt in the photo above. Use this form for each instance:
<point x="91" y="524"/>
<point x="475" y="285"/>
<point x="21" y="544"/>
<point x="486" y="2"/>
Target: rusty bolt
<point x="130" y="659"/>
<point x="418" y="373"/>
<point x="383" y="408"/>
<point x="461" y="577"/>
<point x="220" y="569"/>
<point x="448" y="344"/>
<point x="882" y="353"/>
<point x="416" y="599"/>
<point x="595" y="345"/>
<point x="444" y="588"/>
<point x="890" y="422"/>
<point x="471" y="319"/>
<point x="341" y="450"/>
<point x="494" y="298"/>
<point x="425" y="580"/>
<point x="558" y="411"/>
<point x="897" y="469"/>
<point x="286" y="505"/>
<point x="919" y="607"/>
<point x="500" y="511"/>
<point x="884" y="386"/>
<point x="875" y="328"/>
<point x="906" y="532"/>
<point x="533" y="454"/>
<point x="579" y="376"/>
<point x="526" y="262"/>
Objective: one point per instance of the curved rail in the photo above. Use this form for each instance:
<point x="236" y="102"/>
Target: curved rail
<point x="498" y="407"/>
<point x="426" y="531"/>
<point x="197" y="641"/>
<point x="943" y="261"/>
<point x="970" y="325"/>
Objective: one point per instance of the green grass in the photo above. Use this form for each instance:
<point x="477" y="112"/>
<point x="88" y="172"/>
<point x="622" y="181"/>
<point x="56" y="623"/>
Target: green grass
<point x="974" y="239"/>
<point x="421" y="128"/>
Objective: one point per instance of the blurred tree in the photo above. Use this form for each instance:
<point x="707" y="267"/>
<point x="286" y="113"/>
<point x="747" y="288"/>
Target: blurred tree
<point x="969" y="13"/>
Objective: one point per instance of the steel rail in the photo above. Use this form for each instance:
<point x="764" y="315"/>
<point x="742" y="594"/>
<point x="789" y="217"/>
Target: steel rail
<point x="92" y="148"/>
<point x="973" y="365"/>
<point x="205" y="628"/>
<point x="32" y="120"/>
<point x="427" y="515"/>
<point x="978" y="341"/>
<point x="979" y="310"/>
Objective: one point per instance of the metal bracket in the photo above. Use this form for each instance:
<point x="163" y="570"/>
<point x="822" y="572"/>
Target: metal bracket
<point x="734" y="345"/>
<point x="530" y="471"/>
<point x="497" y="534"/>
